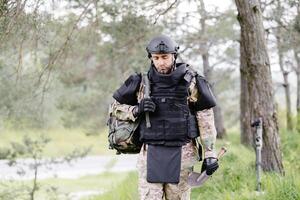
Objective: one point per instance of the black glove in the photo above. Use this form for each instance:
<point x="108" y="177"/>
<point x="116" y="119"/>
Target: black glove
<point x="210" y="165"/>
<point x="146" y="105"/>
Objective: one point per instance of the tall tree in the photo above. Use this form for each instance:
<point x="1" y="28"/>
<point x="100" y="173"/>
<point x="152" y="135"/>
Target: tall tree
<point x="245" y="126"/>
<point x="259" y="83"/>
<point x="107" y="50"/>
<point x="297" y="58"/>
<point x="207" y="70"/>
<point x="279" y="34"/>
<point x="296" y="51"/>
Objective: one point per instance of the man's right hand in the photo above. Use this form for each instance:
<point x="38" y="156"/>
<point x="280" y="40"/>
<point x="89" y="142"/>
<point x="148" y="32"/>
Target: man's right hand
<point x="146" y="105"/>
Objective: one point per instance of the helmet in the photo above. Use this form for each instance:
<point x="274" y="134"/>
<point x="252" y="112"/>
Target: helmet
<point x="162" y="44"/>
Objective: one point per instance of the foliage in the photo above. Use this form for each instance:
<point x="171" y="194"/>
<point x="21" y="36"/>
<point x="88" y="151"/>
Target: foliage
<point x="63" y="141"/>
<point x="32" y="148"/>
<point x="61" y="71"/>
<point x="236" y="178"/>
<point x="125" y="190"/>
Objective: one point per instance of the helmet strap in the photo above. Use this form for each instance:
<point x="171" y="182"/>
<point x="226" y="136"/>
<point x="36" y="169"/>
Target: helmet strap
<point x="174" y="63"/>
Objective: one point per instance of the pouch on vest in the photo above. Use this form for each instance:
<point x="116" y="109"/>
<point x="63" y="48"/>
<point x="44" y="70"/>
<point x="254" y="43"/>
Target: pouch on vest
<point x="193" y="130"/>
<point x="163" y="164"/>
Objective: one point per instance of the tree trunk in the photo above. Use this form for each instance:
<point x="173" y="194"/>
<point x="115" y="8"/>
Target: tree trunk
<point x="219" y="123"/>
<point x="259" y="83"/>
<point x="286" y="85"/>
<point x="297" y="58"/>
<point x="245" y="121"/>
<point x="221" y="131"/>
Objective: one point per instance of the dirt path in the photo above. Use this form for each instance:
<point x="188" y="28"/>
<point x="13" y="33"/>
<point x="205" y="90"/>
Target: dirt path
<point x="89" y="165"/>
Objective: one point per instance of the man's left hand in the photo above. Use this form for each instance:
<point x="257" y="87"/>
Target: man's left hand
<point x="210" y="165"/>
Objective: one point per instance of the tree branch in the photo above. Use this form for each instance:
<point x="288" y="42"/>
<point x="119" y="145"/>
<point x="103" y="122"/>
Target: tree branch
<point x="164" y="12"/>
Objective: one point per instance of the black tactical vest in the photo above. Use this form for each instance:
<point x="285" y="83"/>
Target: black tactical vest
<point x="172" y="123"/>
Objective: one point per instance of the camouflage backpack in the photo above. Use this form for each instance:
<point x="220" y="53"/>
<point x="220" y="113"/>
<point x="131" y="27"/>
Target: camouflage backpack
<point x="124" y="135"/>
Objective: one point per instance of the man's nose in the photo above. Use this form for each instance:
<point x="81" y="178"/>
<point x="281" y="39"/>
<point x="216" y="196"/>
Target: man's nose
<point x="160" y="61"/>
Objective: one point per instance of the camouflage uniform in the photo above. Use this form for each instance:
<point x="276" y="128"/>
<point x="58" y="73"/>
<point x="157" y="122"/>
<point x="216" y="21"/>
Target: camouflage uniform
<point x="180" y="191"/>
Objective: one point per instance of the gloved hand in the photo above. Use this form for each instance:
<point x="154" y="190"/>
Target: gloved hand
<point x="210" y="165"/>
<point x="146" y="105"/>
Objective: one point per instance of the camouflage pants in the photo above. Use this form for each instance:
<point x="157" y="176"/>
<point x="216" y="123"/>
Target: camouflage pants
<point x="159" y="191"/>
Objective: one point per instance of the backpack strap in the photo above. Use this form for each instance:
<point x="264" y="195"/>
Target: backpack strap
<point x="147" y="85"/>
<point x="190" y="74"/>
<point x="146" y="82"/>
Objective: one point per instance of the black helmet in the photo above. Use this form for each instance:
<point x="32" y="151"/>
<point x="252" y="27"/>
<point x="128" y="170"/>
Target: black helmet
<point x="162" y="44"/>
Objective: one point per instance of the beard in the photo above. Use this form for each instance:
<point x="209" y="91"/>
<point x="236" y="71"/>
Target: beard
<point x="165" y="70"/>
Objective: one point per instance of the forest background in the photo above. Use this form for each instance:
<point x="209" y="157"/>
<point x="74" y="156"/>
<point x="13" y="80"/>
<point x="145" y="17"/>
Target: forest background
<point x="61" y="60"/>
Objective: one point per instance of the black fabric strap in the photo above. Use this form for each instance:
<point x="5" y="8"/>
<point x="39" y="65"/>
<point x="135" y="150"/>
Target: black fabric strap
<point x="198" y="147"/>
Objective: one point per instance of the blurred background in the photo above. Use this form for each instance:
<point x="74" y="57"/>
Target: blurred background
<point x="61" y="60"/>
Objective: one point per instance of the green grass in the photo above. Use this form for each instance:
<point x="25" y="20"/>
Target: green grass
<point x="127" y="189"/>
<point x="63" y="141"/>
<point x="236" y="177"/>
<point x="235" y="180"/>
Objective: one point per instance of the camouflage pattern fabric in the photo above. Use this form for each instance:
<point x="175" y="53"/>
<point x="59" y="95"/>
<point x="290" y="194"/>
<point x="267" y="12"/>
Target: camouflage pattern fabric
<point x="121" y="111"/>
<point x="159" y="191"/>
<point x="208" y="131"/>
<point x="206" y="123"/>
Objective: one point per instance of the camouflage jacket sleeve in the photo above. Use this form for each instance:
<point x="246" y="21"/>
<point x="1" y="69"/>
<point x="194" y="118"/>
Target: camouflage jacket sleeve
<point x="206" y="124"/>
<point x="124" y="111"/>
<point x="121" y="111"/>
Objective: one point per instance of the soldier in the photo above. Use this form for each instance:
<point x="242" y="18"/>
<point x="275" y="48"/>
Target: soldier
<point x="180" y="108"/>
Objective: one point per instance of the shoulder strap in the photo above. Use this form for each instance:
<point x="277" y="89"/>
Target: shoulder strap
<point x="190" y="74"/>
<point x="146" y="83"/>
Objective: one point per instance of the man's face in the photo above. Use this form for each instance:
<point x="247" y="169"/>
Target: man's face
<point x="163" y="62"/>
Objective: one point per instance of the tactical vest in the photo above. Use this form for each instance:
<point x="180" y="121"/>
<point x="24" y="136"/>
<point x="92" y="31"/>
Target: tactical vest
<point x="172" y="123"/>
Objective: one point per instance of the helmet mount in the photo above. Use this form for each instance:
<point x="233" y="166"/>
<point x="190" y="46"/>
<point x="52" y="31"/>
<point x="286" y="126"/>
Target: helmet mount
<point x="162" y="45"/>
